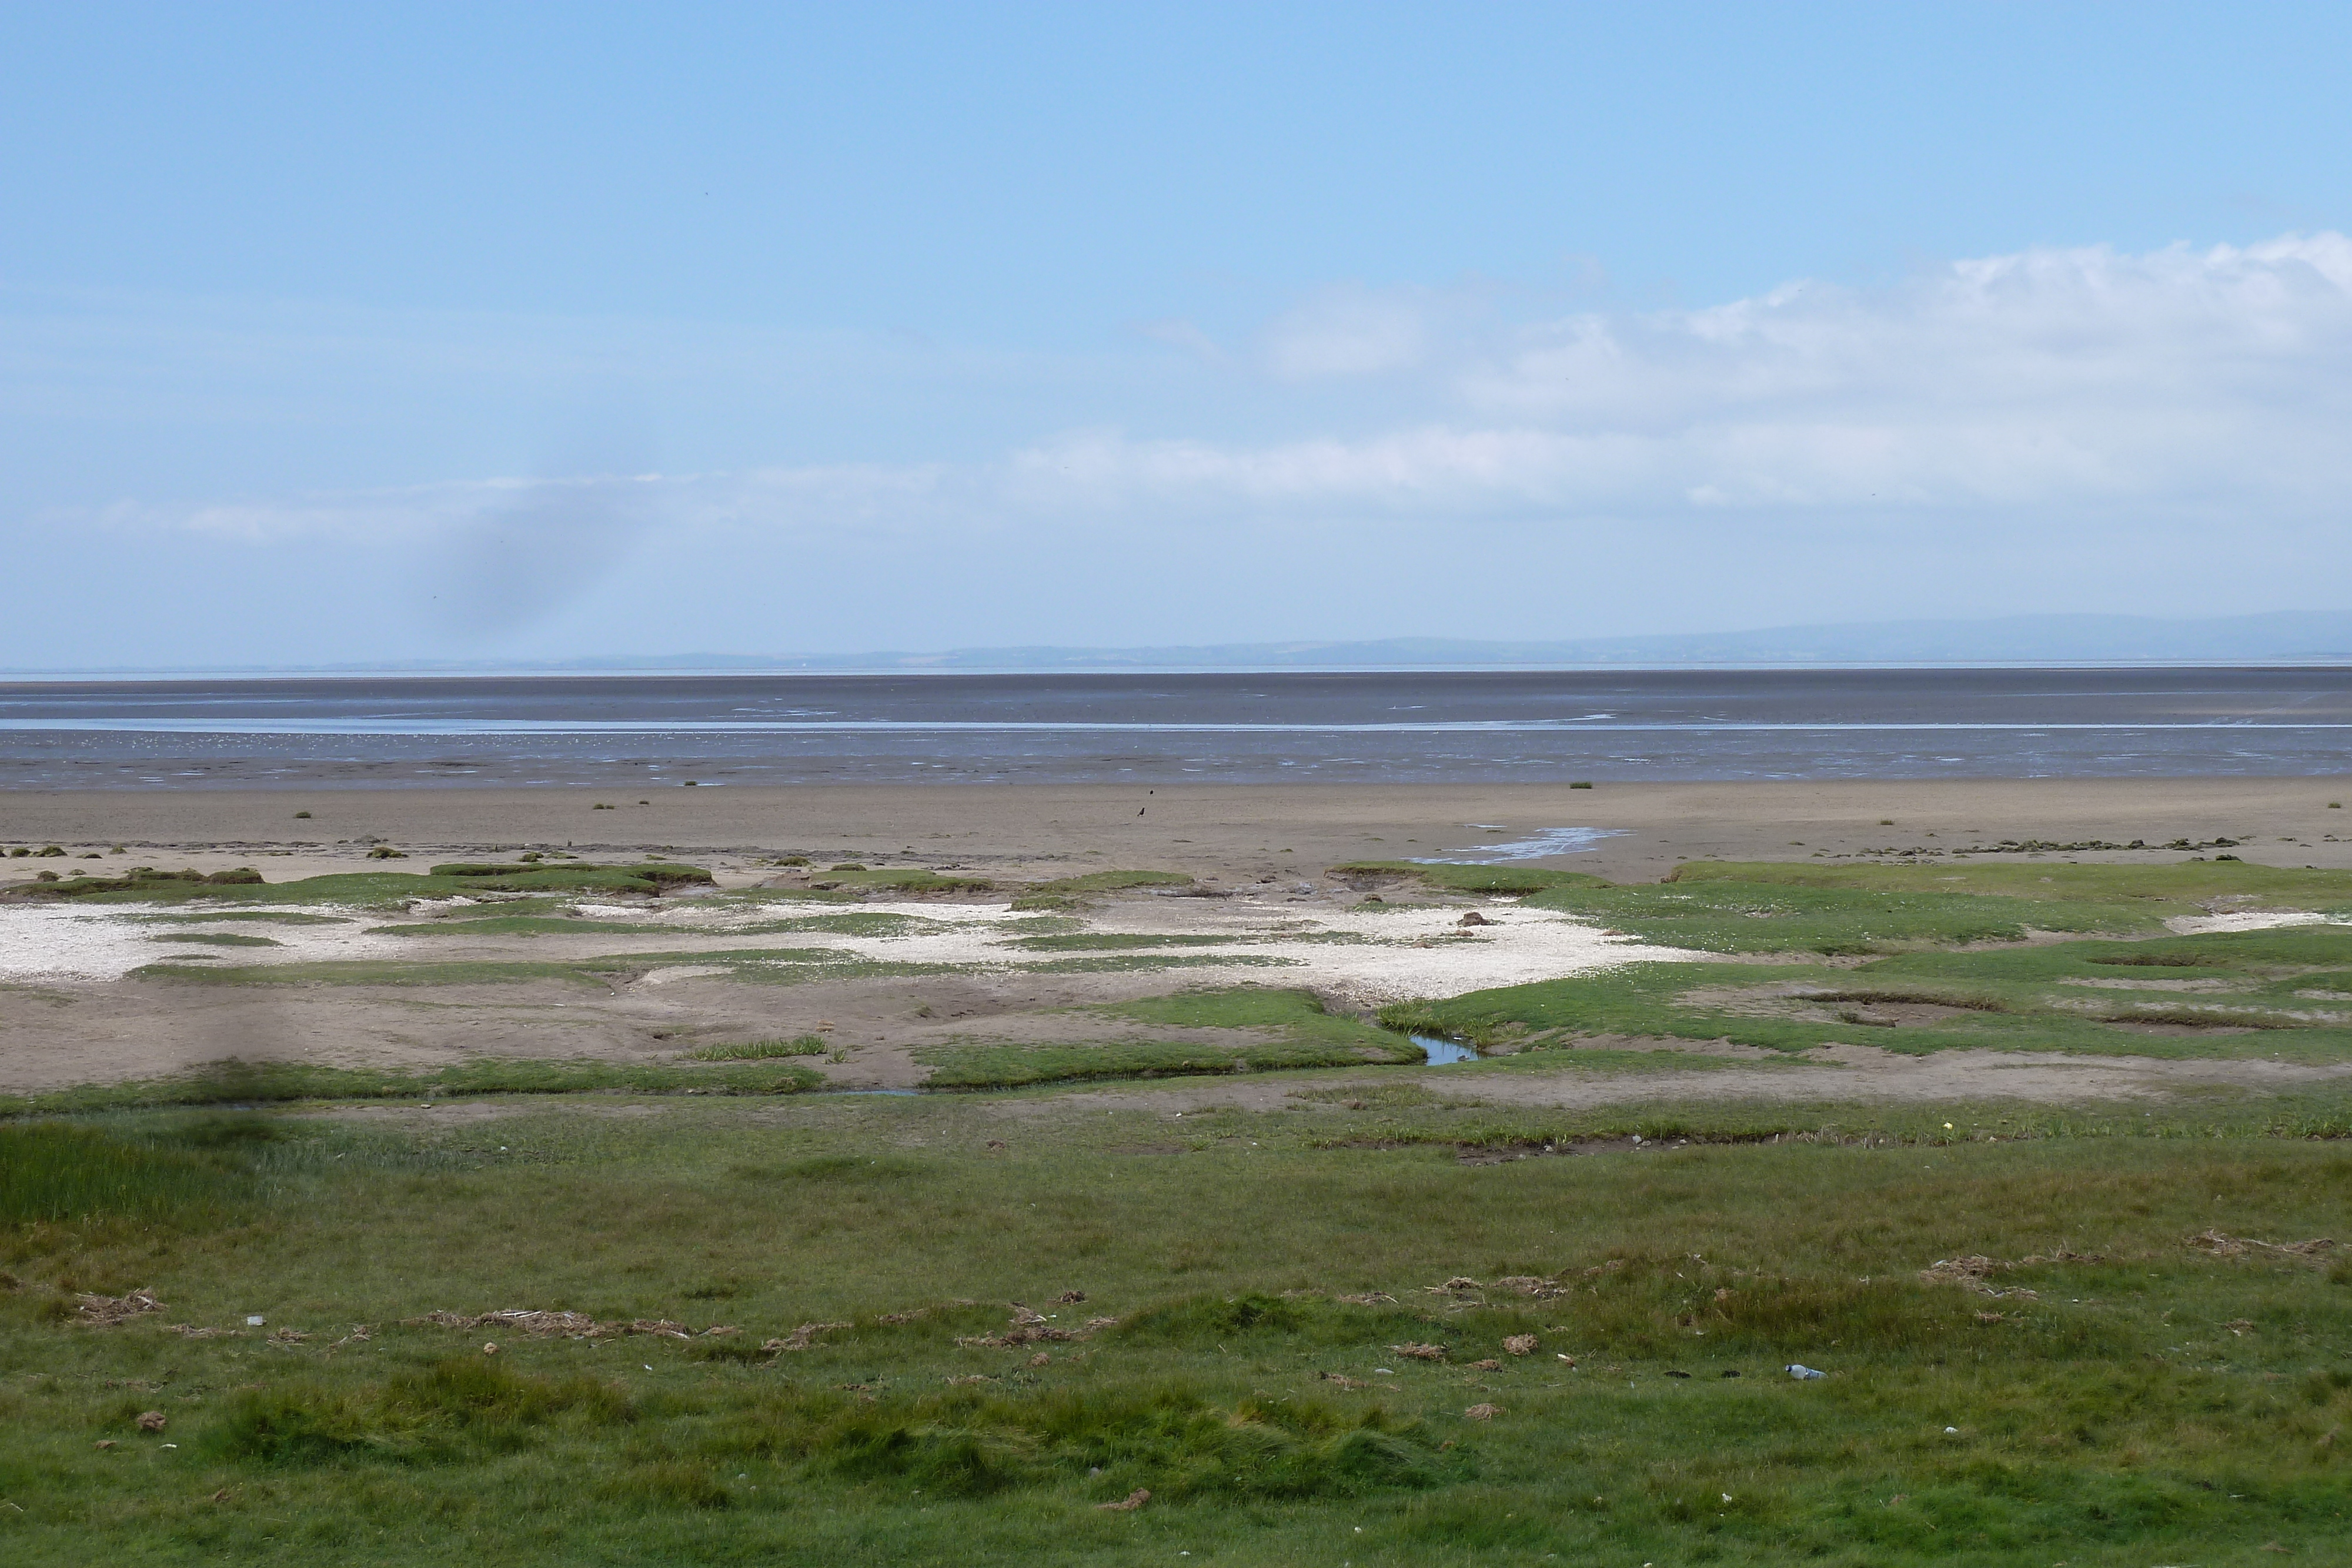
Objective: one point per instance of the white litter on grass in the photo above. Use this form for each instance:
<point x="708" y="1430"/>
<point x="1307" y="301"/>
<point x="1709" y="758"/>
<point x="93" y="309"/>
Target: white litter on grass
<point x="2208" y="924"/>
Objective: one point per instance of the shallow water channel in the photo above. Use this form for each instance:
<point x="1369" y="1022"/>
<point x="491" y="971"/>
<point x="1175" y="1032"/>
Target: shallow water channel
<point x="1437" y="1051"/>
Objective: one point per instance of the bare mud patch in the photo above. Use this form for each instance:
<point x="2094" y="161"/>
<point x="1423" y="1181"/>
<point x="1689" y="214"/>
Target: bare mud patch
<point x="1725" y="1049"/>
<point x="1798" y="1002"/>
<point x="1835" y="1072"/>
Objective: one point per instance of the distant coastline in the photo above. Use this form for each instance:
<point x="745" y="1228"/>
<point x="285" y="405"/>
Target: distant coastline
<point x="2287" y="638"/>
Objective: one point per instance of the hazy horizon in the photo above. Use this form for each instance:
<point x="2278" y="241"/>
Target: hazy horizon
<point x="2284" y="638"/>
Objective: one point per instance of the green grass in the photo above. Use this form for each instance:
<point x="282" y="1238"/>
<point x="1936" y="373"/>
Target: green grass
<point x="448" y="1412"/>
<point x="1851" y="909"/>
<point x="1292" y="1032"/>
<point x="374" y="889"/>
<point x="238" y="1082"/>
<point x="1018" y="1066"/>
<point x="2018" y="998"/>
<point x="909" y="879"/>
<point x="143" y="881"/>
<point x="640" y="876"/>
<point x="58" y="1174"/>
<point x="763" y="1050"/>
<point x="2180" y="887"/>
<point x="217" y="938"/>
<point x="1080" y="892"/>
<point x="522" y="925"/>
<point x="2152" y="1402"/>
<point x="1739" y="916"/>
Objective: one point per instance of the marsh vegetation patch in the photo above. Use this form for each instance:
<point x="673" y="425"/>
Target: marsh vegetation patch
<point x="920" y="1328"/>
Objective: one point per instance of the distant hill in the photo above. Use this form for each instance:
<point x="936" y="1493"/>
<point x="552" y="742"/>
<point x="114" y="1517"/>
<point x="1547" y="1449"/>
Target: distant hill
<point x="2310" y="637"/>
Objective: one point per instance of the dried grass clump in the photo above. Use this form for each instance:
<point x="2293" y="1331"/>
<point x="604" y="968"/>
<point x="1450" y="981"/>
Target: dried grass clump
<point x="567" y="1325"/>
<point x="111" y="1312"/>
<point x="1973" y="1272"/>
<point x="800" y="1338"/>
<point x="2221" y="1246"/>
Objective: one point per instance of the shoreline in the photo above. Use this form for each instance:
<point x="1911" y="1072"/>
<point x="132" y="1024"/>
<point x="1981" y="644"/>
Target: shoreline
<point x="1209" y="829"/>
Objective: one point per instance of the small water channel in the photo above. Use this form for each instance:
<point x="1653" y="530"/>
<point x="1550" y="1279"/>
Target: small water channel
<point x="1437" y="1051"/>
<point x="1543" y="844"/>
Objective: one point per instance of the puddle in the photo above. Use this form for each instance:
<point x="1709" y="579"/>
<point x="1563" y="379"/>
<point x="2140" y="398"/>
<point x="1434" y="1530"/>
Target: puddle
<point x="1546" y="842"/>
<point x="1437" y="1049"/>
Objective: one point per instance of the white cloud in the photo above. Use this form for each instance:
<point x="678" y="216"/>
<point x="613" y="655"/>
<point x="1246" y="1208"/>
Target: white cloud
<point x="2045" y="379"/>
<point x="2045" y="383"/>
<point x="1350" y="331"/>
<point x="2099" y="414"/>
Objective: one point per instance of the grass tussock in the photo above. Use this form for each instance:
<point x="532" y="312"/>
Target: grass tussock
<point x="764" y="1049"/>
<point x="140" y="881"/>
<point x="1166" y="1437"/>
<point x="449" y="1412"/>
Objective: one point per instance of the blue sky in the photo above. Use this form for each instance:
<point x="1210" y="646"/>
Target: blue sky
<point x="419" y="332"/>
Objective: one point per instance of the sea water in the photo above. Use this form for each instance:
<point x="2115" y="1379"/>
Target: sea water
<point x="1389" y="726"/>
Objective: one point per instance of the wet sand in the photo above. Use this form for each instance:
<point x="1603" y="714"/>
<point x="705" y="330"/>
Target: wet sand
<point x="1038" y="831"/>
